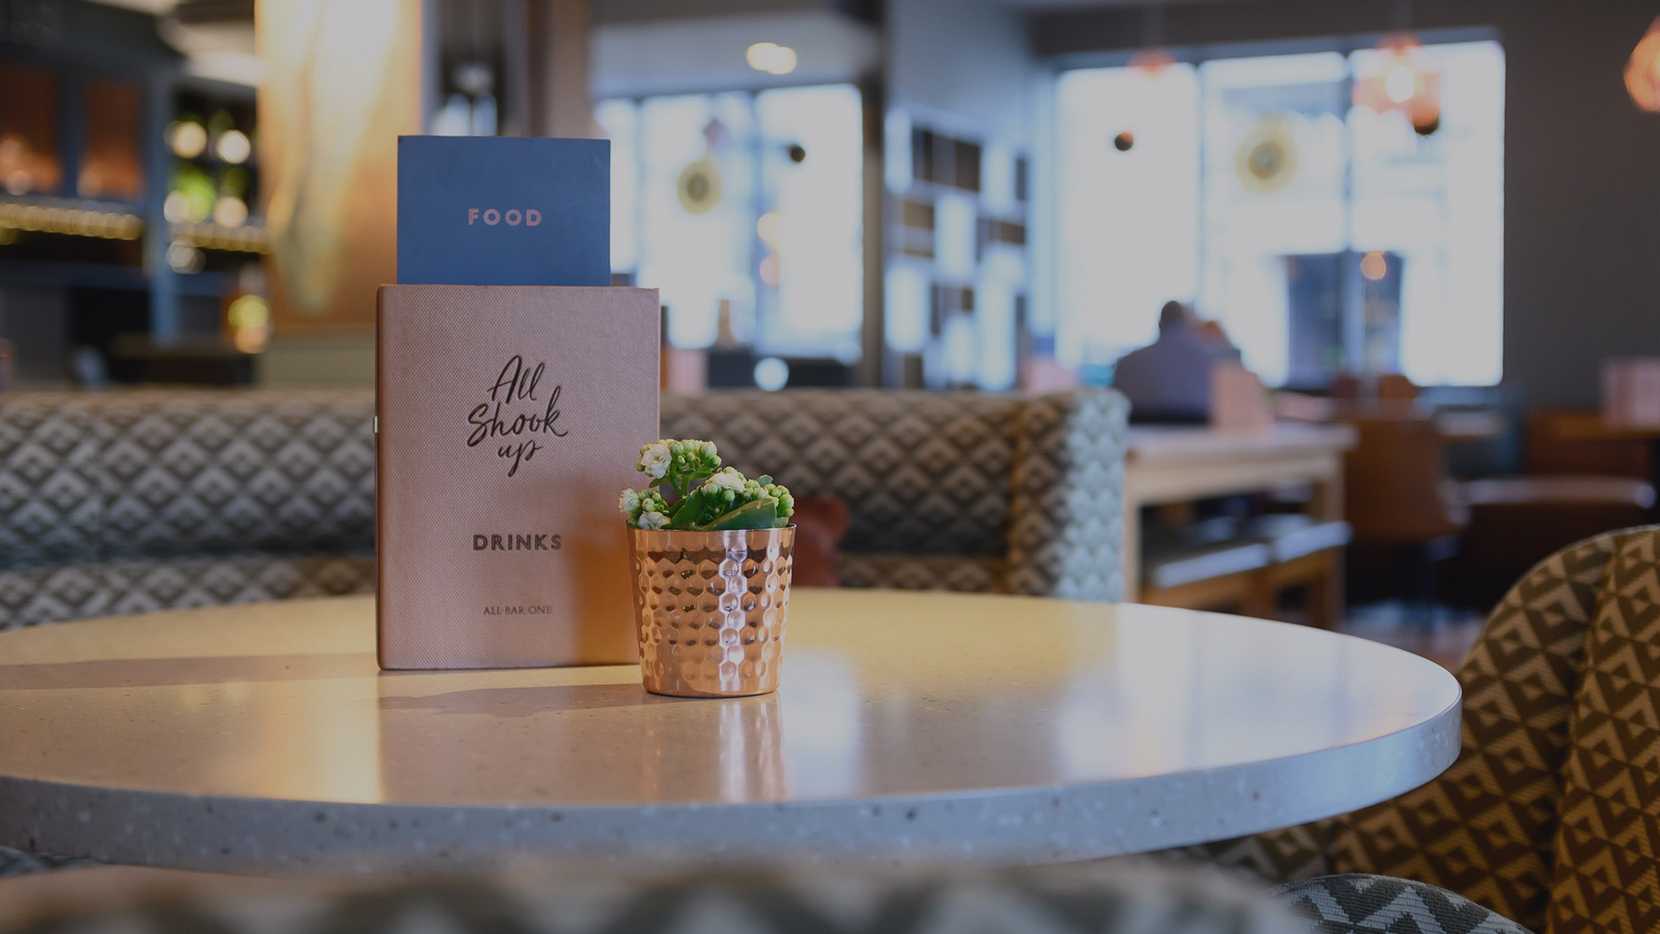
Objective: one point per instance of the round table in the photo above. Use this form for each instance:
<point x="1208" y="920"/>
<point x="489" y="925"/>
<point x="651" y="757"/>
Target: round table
<point x="910" y="727"/>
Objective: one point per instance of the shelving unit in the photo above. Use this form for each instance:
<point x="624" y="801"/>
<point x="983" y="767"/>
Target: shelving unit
<point x="89" y="256"/>
<point x="957" y="265"/>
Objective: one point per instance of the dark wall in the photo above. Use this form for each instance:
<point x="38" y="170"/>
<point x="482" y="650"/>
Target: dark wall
<point x="639" y="11"/>
<point x="962" y="61"/>
<point x="1582" y="164"/>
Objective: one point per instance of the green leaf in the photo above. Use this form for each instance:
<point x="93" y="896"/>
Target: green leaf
<point x="689" y="511"/>
<point x="756" y="514"/>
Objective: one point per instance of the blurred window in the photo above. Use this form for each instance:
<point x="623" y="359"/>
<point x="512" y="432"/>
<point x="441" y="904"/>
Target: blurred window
<point x="1331" y="210"/>
<point x="745" y="210"/>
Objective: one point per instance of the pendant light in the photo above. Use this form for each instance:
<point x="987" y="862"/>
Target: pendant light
<point x="1407" y="84"/>
<point x="1150" y="62"/>
<point x="1153" y="58"/>
<point x="1642" y="72"/>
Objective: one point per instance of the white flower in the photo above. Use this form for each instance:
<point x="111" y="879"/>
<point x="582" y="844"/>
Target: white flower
<point x="654" y="460"/>
<point x="628" y="502"/>
<point x="728" y="479"/>
<point x="653" y="520"/>
<point x="709" y="451"/>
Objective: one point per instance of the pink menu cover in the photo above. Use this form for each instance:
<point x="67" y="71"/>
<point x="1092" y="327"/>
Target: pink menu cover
<point x="508" y="418"/>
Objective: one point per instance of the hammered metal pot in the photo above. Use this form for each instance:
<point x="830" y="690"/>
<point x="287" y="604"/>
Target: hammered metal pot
<point x="710" y="609"/>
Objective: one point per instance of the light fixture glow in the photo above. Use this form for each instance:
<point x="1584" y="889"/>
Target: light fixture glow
<point x="249" y="320"/>
<point x="229" y="211"/>
<point x="176" y="208"/>
<point x="1400" y="83"/>
<point x="1642" y="72"/>
<point x="233" y="147"/>
<point x="768" y="226"/>
<point x="1152" y="62"/>
<point x="184" y="258"/>
<point x="187" y="138"/>
<point x="771" y="58"/>
<point x="771" y="374"/>
<point x="1374" y="266"/>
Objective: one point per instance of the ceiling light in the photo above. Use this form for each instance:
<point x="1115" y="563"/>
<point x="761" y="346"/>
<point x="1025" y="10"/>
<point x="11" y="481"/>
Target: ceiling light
<point x="771" y="58"/>
<point x="1152" y="62"/>
<point x="1374" y="266"/>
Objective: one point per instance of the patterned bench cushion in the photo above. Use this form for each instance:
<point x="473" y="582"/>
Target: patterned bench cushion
<point x="193" y="472"/>
<point x="51" y="497"/>
<point x="155" y="473"/>
<point x="961" y="491"/>
<point x="30" y="596"/>
<point x="923" y="473"/>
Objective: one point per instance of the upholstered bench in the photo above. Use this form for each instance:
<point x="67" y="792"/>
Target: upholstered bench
<point x="129" y="501"/>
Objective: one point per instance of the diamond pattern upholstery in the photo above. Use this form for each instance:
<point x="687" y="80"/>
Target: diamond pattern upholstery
<point x="31" y="596"/>
<point x="924" y="572"/>
<point x="51" y="505"/>
<point x="960" y="491"/>
<point x="188" y="472"/>
<point x="922" y="473"/>
<point x="951" y="491"/>
<point x="1362" y="904"/>
<point x="1548" y="814"/>
<point x="728" y="899"/>
<point x="133" y="501"/>
<point x="1486" y="827"/>
<point x="1606" y="874"/>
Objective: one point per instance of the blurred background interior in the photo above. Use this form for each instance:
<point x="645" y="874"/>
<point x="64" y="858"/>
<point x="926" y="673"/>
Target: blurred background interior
<point x="1431" y="226"/>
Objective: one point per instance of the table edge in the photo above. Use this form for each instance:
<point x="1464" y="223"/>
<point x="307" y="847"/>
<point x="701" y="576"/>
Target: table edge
<point x="1028" y="824"/>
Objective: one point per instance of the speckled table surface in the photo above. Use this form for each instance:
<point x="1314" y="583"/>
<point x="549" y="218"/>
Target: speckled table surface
<point x="909" y="727"/>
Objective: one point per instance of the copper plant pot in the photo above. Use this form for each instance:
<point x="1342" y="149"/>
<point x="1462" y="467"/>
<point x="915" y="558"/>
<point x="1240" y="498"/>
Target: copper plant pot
<point x="710" y="609"/>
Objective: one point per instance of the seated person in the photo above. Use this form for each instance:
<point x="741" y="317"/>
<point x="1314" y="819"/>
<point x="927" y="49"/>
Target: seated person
<point x="1169" y="380"/>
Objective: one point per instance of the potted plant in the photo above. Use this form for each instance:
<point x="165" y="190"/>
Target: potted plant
<point x="712" y="553"/>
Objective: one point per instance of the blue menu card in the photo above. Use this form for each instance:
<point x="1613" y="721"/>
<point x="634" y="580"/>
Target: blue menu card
<point x="500" y="210"/>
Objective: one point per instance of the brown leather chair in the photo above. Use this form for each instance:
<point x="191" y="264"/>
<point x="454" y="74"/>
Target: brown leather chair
<point x="1574" y="488"/>
<point x="1401" y="504"/>
<point x="1516" y="521"/>
<point x="1381" y="387"/>
<point x="1395" y="482"/>
<point x="1556" y="446"/>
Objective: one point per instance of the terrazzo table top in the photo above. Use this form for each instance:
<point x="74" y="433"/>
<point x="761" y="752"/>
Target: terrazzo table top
<point x="910" y="727"/>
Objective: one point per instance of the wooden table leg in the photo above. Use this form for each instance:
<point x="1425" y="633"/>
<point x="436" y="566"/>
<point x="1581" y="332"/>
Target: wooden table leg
<point x="1325" y="592"/>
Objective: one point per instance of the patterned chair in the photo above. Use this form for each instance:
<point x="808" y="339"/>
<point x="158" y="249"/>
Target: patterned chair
<point x="135" y="501"/>
<point x="735" y="900"/>
<point x="1551" y="815"/>
<point x="1365" y="904"/>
